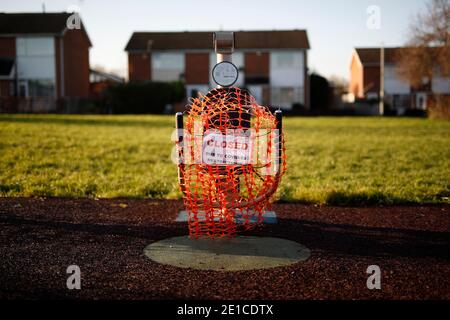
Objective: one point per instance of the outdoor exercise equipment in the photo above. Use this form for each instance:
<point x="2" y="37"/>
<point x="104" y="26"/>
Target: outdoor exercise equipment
<point x="231" y="153"/>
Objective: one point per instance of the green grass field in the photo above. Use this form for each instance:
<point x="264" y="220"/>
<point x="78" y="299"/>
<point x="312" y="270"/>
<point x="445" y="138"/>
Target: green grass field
<point x="343" y="161"/>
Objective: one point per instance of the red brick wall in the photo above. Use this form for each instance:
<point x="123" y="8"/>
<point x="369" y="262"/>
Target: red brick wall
<point x="76" y="64"/>
<point x="256" y="65"/>
<point x="356" y="84"/>
<point x="197" y="68"/>
<point x="5" y="88"/>
<point x="139" y="66"/>
<point x="7" y="46"/>
<point x="7" y="49"/>
<point x="371" y="76"/>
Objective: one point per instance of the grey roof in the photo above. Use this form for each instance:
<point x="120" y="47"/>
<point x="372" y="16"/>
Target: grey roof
<point x="286" y="39"/>
<point x="35" y="23"/>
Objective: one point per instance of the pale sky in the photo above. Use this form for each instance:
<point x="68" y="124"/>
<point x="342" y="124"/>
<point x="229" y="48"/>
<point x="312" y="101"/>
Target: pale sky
<point x="334" y="27"/>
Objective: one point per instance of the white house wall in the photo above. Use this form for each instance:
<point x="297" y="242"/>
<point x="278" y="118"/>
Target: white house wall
<point x="212" y="63"/>
<point x="441" y="85"/>
<point x="286" y="68"/>
<point x="239" y="61"/>
<point x="287" y="78"/>
<point x="286" y="74"/>
<point x="393" y="84"/>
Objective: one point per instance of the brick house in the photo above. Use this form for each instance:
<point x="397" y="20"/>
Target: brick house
<point x="272" y="64"/>
<point x="41" y="60"/>
<point x="401" y="95"/>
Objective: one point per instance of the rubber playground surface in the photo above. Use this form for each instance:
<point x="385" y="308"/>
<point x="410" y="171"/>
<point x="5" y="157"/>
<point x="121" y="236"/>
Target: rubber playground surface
<point x="40" y="238"/>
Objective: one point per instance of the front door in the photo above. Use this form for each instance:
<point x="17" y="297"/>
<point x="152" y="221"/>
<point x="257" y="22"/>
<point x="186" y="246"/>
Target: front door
<point x="421" y="101"/>
<point x="23" y="89"/>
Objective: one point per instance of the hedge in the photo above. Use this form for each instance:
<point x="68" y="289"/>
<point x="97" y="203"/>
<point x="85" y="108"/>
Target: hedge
<point x="144" y="97"/>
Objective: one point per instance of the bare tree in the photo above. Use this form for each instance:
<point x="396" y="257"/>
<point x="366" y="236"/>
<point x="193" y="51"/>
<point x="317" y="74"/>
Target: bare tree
<point x="339" y="82"/>
<point x="429" y="45"/>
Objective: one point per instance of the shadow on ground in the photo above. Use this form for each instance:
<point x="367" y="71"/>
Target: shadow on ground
<point x="318" y="236"/>
<point x="363" y="241"/>
<point x="150" y="232"/>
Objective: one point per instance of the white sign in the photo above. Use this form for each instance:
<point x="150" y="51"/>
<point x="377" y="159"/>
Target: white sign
<point x="225" y="74"/>
<point x="226" y="149"/>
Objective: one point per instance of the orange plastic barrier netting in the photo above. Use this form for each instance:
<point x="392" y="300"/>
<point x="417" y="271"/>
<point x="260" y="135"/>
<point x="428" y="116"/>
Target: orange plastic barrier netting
<point x="224" y="198"/>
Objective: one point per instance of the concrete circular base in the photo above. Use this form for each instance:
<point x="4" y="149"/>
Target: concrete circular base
<point x="240" y="253"/>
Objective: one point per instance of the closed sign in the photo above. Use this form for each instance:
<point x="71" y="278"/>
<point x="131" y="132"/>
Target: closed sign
<point x="227" y="149"/>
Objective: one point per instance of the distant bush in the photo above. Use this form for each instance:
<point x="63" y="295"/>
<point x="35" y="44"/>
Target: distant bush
<point x="144" y="97"/>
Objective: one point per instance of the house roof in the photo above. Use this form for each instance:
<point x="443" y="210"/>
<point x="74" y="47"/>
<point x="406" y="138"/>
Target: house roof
<point x="285" y="39"/>
<point x="6" y="66"/>
<point x="372" y="55"/>
<point x="35" y="23"/>
<point x="106" y="76"/>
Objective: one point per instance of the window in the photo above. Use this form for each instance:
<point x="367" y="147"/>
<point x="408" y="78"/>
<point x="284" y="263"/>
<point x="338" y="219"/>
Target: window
<point x="36" y="66"/>
<point x="167" y="66"/>
<point x="396" y="101"/>
<point x="168" y="61"/>
<point x="286" y="94"/>
<point x="285" y="97"/>
<point x="421" y="101"/>
<point x="286" y="68"/>
<point x="35" y="46"/>
<point x="41" y="88"/>
<point x="286" y="60"/>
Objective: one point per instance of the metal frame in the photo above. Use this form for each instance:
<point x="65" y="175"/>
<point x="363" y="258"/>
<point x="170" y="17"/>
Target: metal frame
<point x="224" y="47"/>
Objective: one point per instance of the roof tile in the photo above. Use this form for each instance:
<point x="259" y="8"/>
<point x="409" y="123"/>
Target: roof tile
<point x="287" y="39"/>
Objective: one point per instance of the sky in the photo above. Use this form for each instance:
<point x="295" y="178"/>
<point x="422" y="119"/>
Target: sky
<point x="334" y="27"/>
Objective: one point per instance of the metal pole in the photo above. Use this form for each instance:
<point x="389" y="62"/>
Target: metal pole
<point x="149" y="56"/>
<point x="279" y="118"/>
<point x="224" y="45"/>
<point x="381" y="105"/>
<point x="180" y="137"/>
